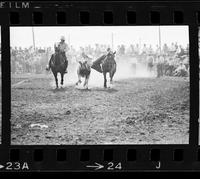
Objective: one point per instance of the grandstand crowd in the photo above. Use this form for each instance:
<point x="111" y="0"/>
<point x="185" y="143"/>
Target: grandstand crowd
<point x="171" y="57"/>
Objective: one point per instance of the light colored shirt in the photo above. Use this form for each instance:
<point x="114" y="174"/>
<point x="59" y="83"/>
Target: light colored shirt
<point x="62" y="47"/>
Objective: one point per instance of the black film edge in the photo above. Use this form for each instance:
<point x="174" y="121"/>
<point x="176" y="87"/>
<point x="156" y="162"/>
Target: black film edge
<point x="146" y="120"/>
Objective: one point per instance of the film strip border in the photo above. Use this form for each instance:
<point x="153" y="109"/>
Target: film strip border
<point x="98" y="158"/>
<point x="101" y="13"/>
<point x="101" y="158"/>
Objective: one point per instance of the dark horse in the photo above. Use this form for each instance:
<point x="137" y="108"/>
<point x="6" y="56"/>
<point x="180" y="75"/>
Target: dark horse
<point x="57" y="65"/>
<point x="108" y="65"/>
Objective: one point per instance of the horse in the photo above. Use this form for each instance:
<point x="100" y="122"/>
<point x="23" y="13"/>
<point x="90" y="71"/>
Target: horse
<point x="84" y="70"/>
<point x="109" y="66"/>
<point x="106" y="64"/>
<point x="57" y="65"/>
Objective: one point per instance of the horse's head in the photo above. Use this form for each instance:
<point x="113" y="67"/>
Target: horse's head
<point x="56" y="48"/>
<point x="111" y="56"/>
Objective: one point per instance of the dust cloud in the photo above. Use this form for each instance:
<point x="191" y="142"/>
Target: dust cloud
<point x="130" y="68"/>
<point x="126" y="68"/>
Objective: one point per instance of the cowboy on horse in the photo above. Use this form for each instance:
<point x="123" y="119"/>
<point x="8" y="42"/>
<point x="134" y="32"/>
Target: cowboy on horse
<point x="106" y="64"/>
<point x="62" y="48"/>
<point x="97" y="64"/>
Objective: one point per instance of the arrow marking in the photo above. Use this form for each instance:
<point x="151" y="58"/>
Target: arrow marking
<point x="97" y="166"/>
<point x="1" y="166"/>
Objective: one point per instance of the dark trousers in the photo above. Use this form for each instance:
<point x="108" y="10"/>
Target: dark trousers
<point x="160" y="69"/>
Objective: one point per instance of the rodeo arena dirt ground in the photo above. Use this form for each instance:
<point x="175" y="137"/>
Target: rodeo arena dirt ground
<point x="133" y="110"/>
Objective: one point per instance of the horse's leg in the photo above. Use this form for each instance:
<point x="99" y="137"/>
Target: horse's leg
<point x="112" y="72"/>
<point x="111" y="76"/>
<point x="86" y="81"/>
<point x="62" y="78"/>
<point x="79" y="79"/>
<point x="79" y="76"/>
<point x="56" y="79"/>
<point x="105" y="80"/>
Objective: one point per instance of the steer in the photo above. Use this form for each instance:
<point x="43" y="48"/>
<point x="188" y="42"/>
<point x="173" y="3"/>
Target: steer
<point x="83" y="71"/>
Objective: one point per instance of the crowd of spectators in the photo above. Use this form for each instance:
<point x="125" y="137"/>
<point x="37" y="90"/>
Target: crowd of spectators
<point x="34" y="60"/>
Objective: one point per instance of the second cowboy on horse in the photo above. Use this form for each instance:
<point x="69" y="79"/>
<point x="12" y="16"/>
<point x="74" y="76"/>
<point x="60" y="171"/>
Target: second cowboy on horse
<point x="97" y="64"/>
